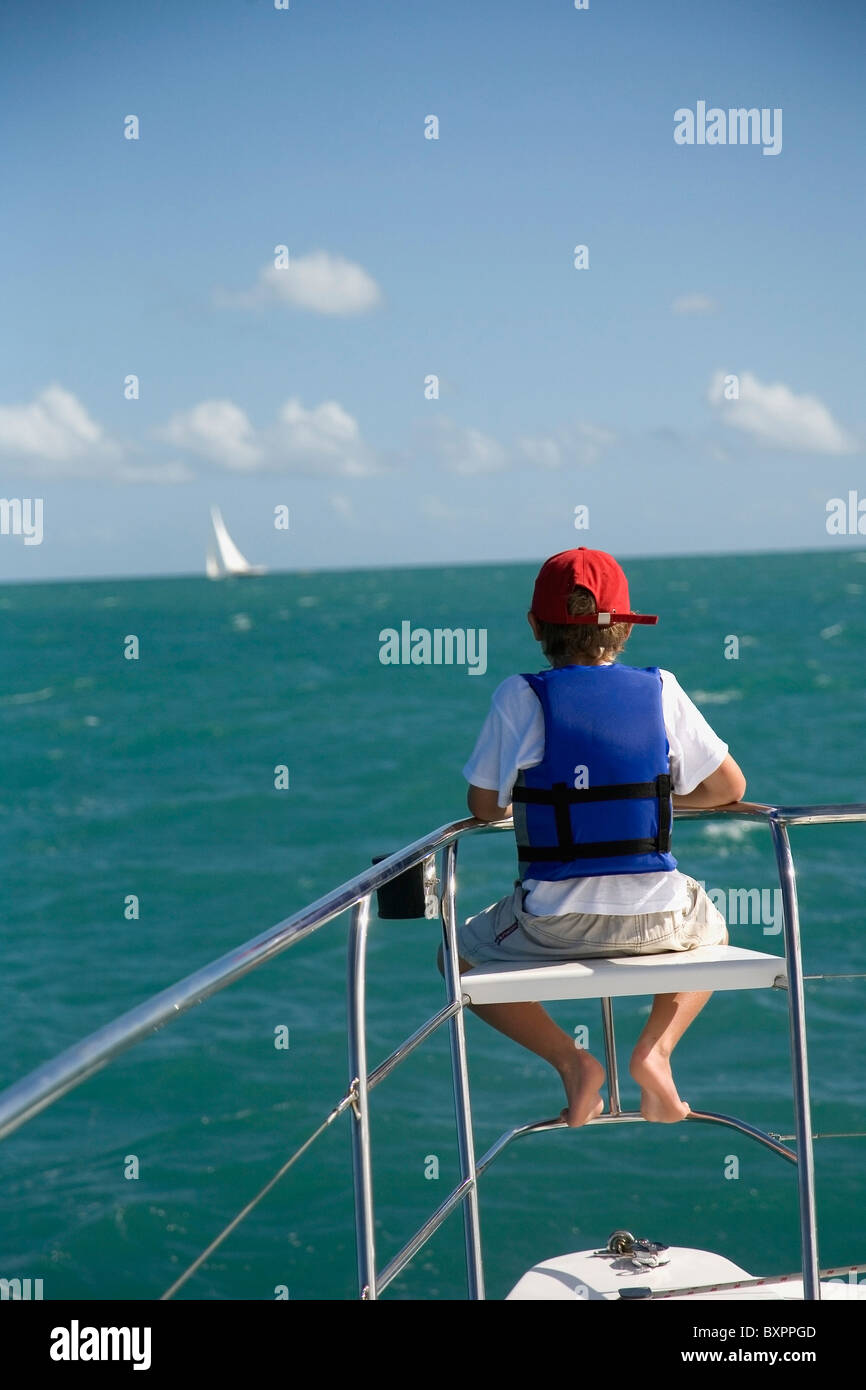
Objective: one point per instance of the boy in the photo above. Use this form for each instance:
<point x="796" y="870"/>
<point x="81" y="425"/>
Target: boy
<point x="590" y="754"/>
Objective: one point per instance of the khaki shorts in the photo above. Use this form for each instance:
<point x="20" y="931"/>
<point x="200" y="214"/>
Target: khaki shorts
<point x="504" y="931"/>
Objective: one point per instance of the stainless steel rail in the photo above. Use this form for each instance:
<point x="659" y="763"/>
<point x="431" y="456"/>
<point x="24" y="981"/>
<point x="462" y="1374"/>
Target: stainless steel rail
<point x="623" y="1117"/>
<point x="362" y="1165"/>
<point x="460" y="1079"/>
<point x="21" y="1101"/>
<point x="53" y="1079"/>
<point x="799" y="1062"/>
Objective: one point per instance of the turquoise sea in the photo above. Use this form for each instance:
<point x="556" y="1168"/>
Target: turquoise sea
<point x="155" y="777"/>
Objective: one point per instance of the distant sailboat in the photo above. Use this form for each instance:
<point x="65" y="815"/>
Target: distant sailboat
<point x="223" y="559"/>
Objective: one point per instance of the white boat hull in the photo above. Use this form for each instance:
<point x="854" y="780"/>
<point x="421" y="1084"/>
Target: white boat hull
<point x="589" y="1276"/>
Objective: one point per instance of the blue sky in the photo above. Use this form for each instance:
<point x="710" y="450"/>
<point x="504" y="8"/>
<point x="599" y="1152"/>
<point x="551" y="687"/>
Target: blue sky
<point x="408" y="257"/>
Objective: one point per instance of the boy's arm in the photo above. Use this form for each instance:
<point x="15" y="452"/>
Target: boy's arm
<point x="484" y="804"/>
<point x="506" y="743"/>
<point x="723" y="787"/>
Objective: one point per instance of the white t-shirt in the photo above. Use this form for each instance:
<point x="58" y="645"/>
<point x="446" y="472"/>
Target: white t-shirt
<point x="512" y="738"/>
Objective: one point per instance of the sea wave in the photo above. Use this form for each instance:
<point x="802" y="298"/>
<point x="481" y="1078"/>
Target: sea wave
<point x="28" y="697"/>
<point x="736" y="830"/>
<point x="716" y="697"/>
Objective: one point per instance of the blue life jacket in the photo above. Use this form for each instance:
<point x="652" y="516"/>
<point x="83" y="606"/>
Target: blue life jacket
<point x="599" y="802"/>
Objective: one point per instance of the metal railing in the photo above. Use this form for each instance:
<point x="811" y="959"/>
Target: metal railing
<point x="47" y="1083"/>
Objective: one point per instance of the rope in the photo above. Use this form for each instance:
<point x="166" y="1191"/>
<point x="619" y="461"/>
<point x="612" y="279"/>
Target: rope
<point x="851" y="1134"/>
<point x="196" y="1264"/>
<point x="834" y="977"/>
<point x="347" y="1101"/>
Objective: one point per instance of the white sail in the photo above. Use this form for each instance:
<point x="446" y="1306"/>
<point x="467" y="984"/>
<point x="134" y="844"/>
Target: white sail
<point x="227" y="560"/>
<point x="212" y="564"/>
<point x="233" y="562"/>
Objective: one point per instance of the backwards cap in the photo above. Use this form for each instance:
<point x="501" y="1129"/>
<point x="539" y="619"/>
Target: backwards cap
<point x="594" y="570"/>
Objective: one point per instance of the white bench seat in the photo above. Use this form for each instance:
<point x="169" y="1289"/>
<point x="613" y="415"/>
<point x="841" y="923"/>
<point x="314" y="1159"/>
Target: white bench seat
<point x="707" y="967"/>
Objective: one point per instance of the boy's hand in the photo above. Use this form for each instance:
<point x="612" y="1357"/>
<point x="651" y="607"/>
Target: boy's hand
<point x="723" y="787"/>
<point x="484" y="805"/>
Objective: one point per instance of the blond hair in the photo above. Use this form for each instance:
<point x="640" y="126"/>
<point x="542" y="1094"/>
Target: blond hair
<point x="563" y="643"/>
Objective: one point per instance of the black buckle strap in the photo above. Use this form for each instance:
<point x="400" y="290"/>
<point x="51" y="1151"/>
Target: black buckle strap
<point x="665" y="812"/>
<point x="599" y="849"/>
<point x="561" y="802"/>
<point x="560" y="796"/>
<point x="571" y="796"/>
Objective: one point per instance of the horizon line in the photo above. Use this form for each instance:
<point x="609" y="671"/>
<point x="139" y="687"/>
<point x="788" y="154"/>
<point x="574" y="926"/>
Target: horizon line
<point x="626" y="557"/>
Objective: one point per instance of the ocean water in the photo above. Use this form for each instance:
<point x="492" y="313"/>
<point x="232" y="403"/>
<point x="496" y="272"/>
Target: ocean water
<point x="155" y="777"/>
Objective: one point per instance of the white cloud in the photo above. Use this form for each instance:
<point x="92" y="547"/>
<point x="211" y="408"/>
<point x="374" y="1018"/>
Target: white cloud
<point x="469" y="451"/>
<point x="342" y="505"/>
<point x="694" y="304"/>
<point x="718" y="454"/>
<point x="465" y="450"/>
<point x="435" y="509"/>
<point x="54" y="436"/>
<point x="582" y="445"/>
<point x="320" y="282"/>
<point x="773" y="415"/>
<point x="542" y="452"/>
<point x="326" y="439"/>
<point x="172" y="472"/>
<point x="216" y="430"/>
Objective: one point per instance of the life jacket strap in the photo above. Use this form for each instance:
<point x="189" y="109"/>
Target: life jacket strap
<point x="561" y="796"/>
<point x="549" y="854"/>
<point x="561" y="792"/>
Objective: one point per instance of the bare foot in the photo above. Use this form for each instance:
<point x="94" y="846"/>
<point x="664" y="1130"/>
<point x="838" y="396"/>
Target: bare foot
<point x="659" y="1098"/>
<point x="582" y="1077"/>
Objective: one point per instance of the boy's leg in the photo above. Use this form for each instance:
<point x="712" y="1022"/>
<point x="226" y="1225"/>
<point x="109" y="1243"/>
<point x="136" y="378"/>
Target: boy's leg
<point x="702" y="925"/>
<point x="531" y="1026"/>
<point x="650" y="1062"/>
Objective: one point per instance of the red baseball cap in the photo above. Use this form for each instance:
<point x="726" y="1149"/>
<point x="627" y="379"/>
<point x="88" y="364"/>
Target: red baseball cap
<point x="594" y="570"/>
